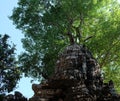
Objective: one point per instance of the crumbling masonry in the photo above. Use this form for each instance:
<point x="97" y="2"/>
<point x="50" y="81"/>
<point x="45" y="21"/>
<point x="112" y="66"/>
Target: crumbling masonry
<point x="77" y="77"/>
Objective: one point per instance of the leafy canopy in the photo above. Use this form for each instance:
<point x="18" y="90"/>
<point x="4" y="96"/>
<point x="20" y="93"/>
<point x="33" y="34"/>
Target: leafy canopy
<point x="9" y="73"/>
<point x="50" y="25"/>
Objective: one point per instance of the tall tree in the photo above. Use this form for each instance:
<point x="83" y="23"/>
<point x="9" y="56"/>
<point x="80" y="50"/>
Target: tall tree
<point x="49" y="25"/>
<point x="9" y="73"/>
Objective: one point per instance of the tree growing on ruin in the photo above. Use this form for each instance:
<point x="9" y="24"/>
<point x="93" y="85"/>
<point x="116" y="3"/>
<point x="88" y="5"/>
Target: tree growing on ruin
<point x="49" y="24"/>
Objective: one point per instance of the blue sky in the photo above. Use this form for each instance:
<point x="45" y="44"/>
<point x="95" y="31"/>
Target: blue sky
<point x="7" y="27"/>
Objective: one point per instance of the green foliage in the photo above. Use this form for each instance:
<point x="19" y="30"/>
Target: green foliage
<point x="9" y="73"/>
<point x="49" y="25"/>
<point x="112" y="73"/>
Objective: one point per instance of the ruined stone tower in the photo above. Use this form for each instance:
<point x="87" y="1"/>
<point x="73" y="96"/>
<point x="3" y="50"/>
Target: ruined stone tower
<point x="77" y="77"/>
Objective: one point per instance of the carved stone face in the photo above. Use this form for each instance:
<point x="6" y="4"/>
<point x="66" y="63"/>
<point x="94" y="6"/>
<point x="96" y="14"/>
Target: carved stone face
<point x="77" y="57"/>
<point x="71" y="57"/>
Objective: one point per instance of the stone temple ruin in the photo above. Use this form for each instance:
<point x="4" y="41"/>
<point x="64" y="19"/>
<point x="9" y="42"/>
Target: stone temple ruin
<point x="77" y="77"/>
